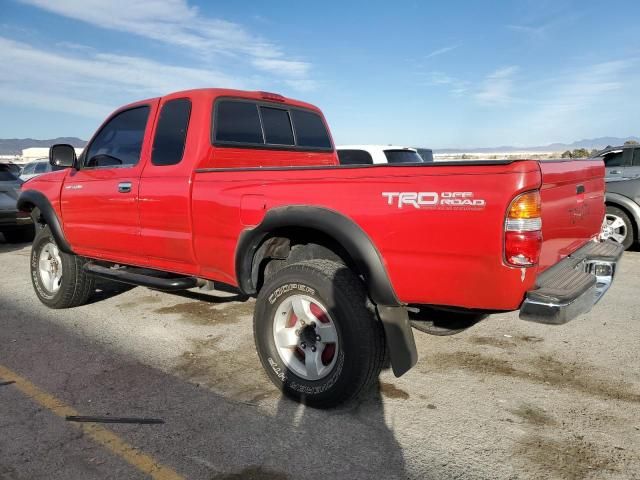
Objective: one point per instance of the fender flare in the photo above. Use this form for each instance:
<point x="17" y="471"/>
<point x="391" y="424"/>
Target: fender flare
<point x="344" y="230"/>
<point x="631" y="206"/>
<point x="392" y="313"/>
<point x="33" y="198"/>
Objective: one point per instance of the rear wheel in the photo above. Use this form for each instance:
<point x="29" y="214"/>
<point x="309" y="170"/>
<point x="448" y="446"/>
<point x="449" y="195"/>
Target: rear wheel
<point x="58" y="278"/>
<point x="316" y="333"/>
<point x="618" y="227"/>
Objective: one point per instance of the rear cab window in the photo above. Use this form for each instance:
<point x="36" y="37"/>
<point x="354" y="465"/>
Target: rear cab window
<point x="355" y="157"/>
<point x="171" y="132"/>
<point x="402" y="156"/>
<point x="255" y="124"/>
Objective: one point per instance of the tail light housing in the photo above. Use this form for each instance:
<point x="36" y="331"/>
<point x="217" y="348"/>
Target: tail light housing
<point x="523" y="230"/>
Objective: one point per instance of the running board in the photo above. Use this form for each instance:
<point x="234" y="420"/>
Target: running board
<point x="135" y="276"/>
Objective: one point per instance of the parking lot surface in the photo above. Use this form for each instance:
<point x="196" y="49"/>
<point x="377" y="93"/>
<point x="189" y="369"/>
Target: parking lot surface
<point x="506" y="399"/>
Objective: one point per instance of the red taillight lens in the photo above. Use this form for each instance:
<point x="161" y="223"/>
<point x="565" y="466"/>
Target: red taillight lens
<point x="522" y="249"/>
<point x="523" y="235"/>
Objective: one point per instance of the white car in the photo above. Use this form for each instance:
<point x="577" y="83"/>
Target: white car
<point x="377" y="154"/>
<point x="35" y="168"/>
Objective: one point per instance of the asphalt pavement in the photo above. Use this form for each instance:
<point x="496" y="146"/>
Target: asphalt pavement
<point x="505" y="399"/>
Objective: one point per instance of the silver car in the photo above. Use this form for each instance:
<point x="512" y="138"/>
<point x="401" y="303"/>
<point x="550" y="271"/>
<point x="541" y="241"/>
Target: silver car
<point x="35" y="168"/>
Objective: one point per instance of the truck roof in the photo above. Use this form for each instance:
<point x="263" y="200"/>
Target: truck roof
<point x="206" y="94"/>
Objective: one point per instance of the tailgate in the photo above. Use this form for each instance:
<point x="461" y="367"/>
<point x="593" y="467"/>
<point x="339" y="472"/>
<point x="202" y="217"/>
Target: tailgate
<point x="572" y="195"/>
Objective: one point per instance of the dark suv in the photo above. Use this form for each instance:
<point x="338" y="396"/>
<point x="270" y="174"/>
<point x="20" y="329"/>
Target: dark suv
<point x="622" y="166"/>
<point x="16" y="226"/>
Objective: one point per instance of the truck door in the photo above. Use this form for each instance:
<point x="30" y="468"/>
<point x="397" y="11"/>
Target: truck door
<point x="100" y="199"/>
<point x="165" y="190"/>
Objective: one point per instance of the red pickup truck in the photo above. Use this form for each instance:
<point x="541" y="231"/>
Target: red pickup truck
<point x="245" y="189"/>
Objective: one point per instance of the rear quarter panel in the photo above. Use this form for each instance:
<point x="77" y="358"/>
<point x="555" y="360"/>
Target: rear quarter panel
<point x="446" y="256"/>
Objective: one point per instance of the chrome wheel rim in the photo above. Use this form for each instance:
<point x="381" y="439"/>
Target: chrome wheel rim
<point x="306" y="337"/>
<point x="50" y="267"/>
<point x="614" y="228"/>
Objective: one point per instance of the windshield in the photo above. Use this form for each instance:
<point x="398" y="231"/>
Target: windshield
<point x="402" y="156"/>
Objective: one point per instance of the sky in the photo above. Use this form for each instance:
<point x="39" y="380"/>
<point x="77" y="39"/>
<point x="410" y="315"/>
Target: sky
<point x="432" y="74"/>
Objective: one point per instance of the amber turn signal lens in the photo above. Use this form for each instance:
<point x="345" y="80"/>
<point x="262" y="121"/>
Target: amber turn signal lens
<point x="527" y="205"/>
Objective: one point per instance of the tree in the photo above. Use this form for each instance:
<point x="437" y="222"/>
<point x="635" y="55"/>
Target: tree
<point x="566" y="154"/>
<point x="631" y="142"/>
<point x="580" y="153"/>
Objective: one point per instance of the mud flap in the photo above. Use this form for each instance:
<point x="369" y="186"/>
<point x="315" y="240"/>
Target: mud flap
<point x="400" y="341"/>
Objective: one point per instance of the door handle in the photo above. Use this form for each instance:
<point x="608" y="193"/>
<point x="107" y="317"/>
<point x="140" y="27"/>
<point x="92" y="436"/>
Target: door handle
<point x="124" y="187"/>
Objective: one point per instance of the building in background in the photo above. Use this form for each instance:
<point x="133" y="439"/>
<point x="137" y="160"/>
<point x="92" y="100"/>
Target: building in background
<point x="35" y="153"/>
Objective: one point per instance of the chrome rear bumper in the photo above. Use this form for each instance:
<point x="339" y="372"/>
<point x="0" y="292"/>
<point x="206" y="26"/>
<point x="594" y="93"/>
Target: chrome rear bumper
<point x="574" y="285"/>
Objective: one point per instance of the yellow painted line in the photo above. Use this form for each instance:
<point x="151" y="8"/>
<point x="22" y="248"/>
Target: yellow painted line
<point x="112" y="442"/>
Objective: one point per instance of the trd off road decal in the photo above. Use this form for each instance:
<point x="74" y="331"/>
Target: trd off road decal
<point x="435" y="200"/>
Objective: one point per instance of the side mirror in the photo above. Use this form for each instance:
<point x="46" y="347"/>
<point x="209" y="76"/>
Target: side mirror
<point x="62" y="155"/>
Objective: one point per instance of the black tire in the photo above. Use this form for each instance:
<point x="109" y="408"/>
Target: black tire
<point x="75" y="286"/>
<point x="20" y="235"/>
<point x="361" y="337"/>
<point x="630" y="237"/>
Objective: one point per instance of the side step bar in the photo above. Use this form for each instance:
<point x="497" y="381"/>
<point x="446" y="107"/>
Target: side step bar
<point x="142" y="277"/>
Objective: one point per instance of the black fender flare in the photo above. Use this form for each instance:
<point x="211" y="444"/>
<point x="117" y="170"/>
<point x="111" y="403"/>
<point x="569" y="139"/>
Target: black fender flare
<point x="367" y="259"/>
<point x="30" y="199"/>
<point x="344" y="230"/>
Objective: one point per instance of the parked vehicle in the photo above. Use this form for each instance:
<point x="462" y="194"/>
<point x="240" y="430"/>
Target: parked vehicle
<point x="622" y="166"/>
<point x="15" y="226"/>
<point x="12" y="167"/>
<point x="376" y="154"/>
<point x="35" y="168"/>
<point x="426" y="154"/>
<point x="245" y="189"/>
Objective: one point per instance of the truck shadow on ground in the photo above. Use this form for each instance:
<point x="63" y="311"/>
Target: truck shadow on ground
<point x="206" y="434"/>
<point x="11" y="247"/>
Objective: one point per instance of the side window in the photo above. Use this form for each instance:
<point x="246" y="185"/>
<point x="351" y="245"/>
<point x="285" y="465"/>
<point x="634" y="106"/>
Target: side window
<point x="613" y="159"/>
<point x="636" y="157"/>
<point x="41" y="167"/>
<point x="119" y="142"/>
<point x="28" y="170"/>
<point x="171" y="132"/>
<point x="310" y="129"/>
<point x="277" y="126"/>
<point x="237" y="122"/>
<point x="354" y="157"/>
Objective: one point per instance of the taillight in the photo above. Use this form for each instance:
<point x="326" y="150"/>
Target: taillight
<point x="523" y="230"/>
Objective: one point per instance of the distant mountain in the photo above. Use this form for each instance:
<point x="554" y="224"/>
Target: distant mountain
<point x="589" y="143"/>
<point x="14" y="146"/>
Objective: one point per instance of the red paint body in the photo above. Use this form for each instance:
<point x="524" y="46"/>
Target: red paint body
<point x="180" y="220"/>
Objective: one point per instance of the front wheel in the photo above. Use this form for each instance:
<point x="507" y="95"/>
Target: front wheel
<point x="58" y="278"/>
<point x="316" y="333"/>
<point x="617" y="226"/>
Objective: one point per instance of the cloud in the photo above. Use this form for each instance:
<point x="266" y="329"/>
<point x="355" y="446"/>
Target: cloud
<point x="176" y="23"/>
<point x="441" y="51"/>
<point x="578" y="90"/>
<point x="497" y="87"/>
<point x="456" y="86"/>
<point x="81" y="82"/>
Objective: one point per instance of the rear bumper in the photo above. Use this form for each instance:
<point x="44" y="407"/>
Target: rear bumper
<point x="574" y="285"/>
